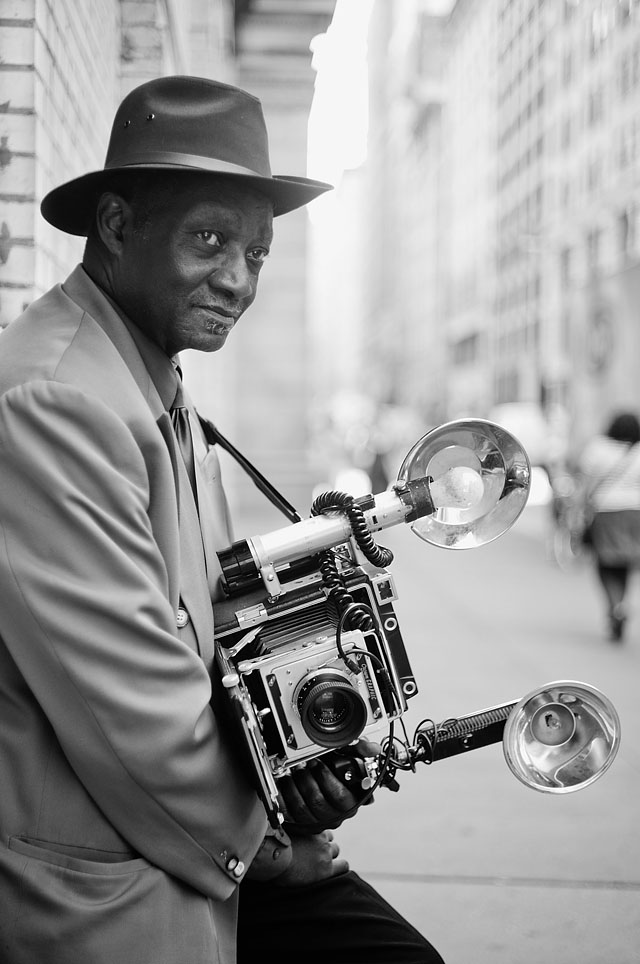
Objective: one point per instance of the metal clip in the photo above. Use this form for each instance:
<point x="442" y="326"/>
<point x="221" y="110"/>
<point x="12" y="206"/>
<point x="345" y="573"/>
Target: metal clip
<point x="251" y="615"/>
<point x="270" y="580"/>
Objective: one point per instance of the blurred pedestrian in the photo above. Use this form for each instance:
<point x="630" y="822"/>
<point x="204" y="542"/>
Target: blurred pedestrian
<point x="610" y="474"/>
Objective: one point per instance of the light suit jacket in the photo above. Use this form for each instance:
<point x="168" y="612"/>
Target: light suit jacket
<point x="125" y="824"/>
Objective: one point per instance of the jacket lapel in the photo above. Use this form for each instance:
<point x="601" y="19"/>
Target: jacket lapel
<point x="192" y="582"/>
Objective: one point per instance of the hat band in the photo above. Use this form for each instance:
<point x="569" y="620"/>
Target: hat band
<point x="173" y="159"/>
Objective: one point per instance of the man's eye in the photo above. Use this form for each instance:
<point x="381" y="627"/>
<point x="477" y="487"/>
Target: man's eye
<point x="258" y="254"/>
<point x="210" y="238"/>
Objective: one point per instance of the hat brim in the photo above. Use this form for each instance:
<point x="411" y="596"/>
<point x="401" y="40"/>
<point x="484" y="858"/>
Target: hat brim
<point x="71" y="207"/>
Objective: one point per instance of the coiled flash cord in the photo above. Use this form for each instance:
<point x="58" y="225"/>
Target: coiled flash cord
<point x="360" y="616"/>
<point x="354" y="614"/>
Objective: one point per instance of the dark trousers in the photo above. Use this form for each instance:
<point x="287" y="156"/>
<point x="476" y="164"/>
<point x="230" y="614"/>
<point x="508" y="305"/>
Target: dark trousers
<point x="342" y="920"/>
<point x="614" y="581"/>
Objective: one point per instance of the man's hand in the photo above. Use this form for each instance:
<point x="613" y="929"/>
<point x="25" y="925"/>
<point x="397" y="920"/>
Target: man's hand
<point x="316" y="799"/>
<point x="315" y="857"/>
<point x="273" y="857"/>
<point x="315" y="802"/>
<point x="292" y="861"/>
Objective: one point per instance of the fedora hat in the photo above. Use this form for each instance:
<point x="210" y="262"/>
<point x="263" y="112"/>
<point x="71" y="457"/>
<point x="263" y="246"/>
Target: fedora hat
<point x="178" y="124"/>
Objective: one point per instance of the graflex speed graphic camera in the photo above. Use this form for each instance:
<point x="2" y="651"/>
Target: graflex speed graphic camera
<point x="310" y="650"/>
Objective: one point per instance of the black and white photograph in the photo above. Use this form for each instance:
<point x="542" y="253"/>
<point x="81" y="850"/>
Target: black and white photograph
<point x="319" y="481"/>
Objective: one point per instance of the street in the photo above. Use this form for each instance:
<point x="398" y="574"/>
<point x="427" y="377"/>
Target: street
<point x="490" y="871"/>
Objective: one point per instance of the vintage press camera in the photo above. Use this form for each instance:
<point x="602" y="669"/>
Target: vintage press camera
<point x="310" y="650"/>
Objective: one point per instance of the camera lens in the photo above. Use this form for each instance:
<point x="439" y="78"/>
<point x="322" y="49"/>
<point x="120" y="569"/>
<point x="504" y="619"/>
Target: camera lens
<point x="332" y="712"/>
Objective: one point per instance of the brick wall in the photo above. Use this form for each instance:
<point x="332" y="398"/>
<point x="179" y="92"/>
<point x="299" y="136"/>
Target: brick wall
<point x="76" y="53"/>
<point x="59" y="85"/>
<point x="64" y="67"/>
<point x="17" y="157"/>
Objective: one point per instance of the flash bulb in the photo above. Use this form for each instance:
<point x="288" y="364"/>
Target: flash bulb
<point x="459" y="487"/>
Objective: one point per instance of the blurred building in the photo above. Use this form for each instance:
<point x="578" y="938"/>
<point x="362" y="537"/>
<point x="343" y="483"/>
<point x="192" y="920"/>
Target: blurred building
<point x="65" y="67"/>
<point x="591" y="229"/>
<point x="267" y="410"/>
<point x="501" y="210"/>
<point x="524" y="89"/>
<point x="376" y="272"/>
<point x="405" y="291"/>
<point x="568" y="183"/>
<point x="470" y="219"/>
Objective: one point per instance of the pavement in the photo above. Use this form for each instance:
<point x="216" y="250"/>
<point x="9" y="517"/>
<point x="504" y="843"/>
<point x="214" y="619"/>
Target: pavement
<point x="493" y="872"/>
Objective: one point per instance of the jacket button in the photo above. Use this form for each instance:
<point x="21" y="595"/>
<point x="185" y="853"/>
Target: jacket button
<point x="232" y="863"/>
<point x="238" y="870"/>
<point x="182" y="618"/>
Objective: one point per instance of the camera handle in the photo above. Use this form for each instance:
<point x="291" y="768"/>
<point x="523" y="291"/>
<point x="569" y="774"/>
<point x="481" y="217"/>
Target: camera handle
<point x="438" y="741"/>
<point x="431" y="742"/>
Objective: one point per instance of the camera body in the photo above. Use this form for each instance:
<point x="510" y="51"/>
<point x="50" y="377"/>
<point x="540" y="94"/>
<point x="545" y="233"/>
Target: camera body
<point x="300" y="685"/>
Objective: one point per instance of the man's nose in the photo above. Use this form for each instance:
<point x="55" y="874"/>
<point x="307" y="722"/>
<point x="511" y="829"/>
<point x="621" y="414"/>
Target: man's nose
<point x="233" y="275"/>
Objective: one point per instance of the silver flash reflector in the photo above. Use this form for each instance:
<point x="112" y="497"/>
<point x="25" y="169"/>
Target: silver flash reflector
<point x="480" y="478"/>
<point x="561" y="737"/>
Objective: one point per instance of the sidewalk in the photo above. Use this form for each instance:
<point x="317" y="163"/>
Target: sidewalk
<point x="489" y="870"/>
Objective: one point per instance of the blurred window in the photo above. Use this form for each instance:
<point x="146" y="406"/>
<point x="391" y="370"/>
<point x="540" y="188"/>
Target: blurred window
<point x="623" y="232"/>
<point x="594" y="244"/>
<point x="566" y="267"/>
<point x="625" y="10"/>
<point x="466" y="350"/>
<point x="566" y="330"/>
<point x="595" y="109"/>
<point x="602" y="22"/>
<point x="594" y="175"/>
<point x="628" y="231"/>
<point x="624" y="75"/>
<point x="635" y="66"/>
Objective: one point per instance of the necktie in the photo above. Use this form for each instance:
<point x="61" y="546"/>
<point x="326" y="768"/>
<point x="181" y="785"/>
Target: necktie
<point x="182" y="429"/>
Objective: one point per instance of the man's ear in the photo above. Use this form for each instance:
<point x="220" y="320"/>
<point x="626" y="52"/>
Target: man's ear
<point x="114" y="218"/>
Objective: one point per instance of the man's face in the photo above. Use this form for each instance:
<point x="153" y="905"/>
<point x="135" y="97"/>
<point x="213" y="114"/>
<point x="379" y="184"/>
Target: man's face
<point x="189" y="268"/>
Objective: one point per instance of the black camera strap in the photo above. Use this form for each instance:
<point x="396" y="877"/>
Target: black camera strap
<point x="214" y="437"/>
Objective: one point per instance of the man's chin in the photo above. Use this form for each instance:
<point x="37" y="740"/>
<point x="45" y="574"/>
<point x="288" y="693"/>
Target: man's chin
<point x="210" y="341"/>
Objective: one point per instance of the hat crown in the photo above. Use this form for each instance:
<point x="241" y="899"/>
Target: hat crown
<point x="182" y="124"/>
<point x="168" y="120"/>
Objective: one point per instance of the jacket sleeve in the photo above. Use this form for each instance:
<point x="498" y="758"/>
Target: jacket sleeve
<point x="86" y="616"/>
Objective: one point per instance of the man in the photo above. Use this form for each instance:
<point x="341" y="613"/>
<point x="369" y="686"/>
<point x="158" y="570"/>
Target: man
<point x="127" y="823"/>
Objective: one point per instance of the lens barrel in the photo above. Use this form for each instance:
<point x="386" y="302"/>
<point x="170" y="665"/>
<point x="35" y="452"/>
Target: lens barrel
<point x="332" y="711"/>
